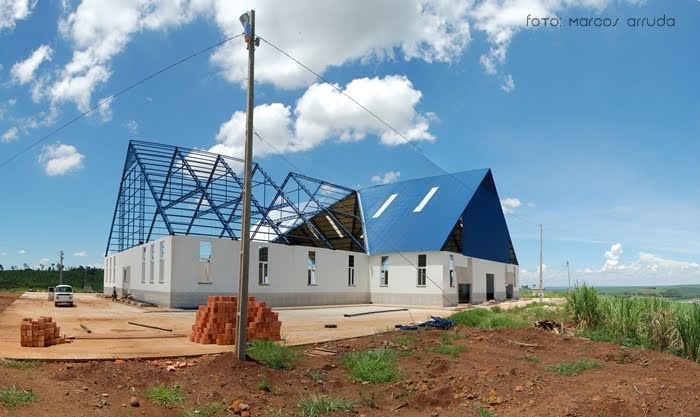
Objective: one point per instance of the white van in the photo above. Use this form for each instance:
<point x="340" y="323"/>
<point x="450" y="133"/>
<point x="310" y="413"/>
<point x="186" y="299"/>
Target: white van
<point x="63" y="294"/>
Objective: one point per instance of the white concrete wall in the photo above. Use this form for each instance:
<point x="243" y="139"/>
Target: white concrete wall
<point x="287" y="271"/>
<point x="156" y="291"/>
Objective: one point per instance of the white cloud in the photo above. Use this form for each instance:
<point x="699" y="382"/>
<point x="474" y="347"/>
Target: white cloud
<point x="509" y="204"/>
<point x="9" y="135"/>
<point x="23" y="72"/>
<point x="387" y="177"/>
<point x="508" y="84"/>
<point x="133" y="127"/>
<point x="44" y="261"/>
<point x="13" y="10"/>
<point x="81" y="254"/>
<point x="612" y="257"/>
<point x="646" y="269"/>
<point x="323" y="113"/>
<point x="22" y="252"/>
<point x="61" y="159"/>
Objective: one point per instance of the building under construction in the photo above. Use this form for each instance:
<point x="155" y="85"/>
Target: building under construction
<point x="435" y="241"/>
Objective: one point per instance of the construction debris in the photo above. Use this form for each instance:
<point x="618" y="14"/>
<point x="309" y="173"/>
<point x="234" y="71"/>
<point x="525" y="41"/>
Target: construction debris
<point x="552" y="326"/>
<point x="85" y="328"/>
<point x="374" y="312"/>
<point x="150" y="327"/>
<point x="216" y="322"/>
<point x="41" y="332"/>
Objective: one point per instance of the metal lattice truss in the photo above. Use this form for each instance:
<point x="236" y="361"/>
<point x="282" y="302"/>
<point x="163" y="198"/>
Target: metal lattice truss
<point x="167" y="190"/>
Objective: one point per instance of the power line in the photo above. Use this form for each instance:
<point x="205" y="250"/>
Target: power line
<point x="111" y="98"/>
<point x="385" y="123"/>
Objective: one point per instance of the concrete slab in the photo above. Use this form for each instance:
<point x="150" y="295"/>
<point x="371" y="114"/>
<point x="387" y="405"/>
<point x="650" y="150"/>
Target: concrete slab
<point x="113" y="337"/>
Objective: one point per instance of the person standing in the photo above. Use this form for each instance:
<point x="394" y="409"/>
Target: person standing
<point x="114" y="294"/>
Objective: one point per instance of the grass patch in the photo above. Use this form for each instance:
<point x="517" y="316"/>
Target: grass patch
<point x="482" y="318"/>
<point x="404" y="341"/>
<point x="273" y="355"/>
<point x="319" y="405"/>
<point x="446" y="347"/>
<point x="688" y="325"/>
<point x="371" y="399"/>
<point x="376" y="366"/>
<point x="11" y="363"/>
<point x="485" y="413"/>
<point x="531" y="358"/>
<point x="205" y="410"/>
<point x="317" y="376"/>
<point x="264" y="384"/>
<point x="574" y="368"/>
<point x="164" y="395"/>
<point x="13" y="397"/>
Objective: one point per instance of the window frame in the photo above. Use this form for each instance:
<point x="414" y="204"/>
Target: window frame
<point x="422" y="270"/>
<point x="384" y="271"/>
<point x="263" y="265"/>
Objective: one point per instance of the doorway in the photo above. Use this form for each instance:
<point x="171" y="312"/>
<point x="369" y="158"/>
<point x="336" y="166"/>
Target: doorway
<point x="465" y="293"/>
<point x="126" y="272"/>
<point x="490" y="292"/>
<point x="509" y="291"/>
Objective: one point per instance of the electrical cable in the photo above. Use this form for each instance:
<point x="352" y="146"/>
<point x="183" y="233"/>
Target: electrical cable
<point x="412" y="143"/>
<point x="112" y="97"/>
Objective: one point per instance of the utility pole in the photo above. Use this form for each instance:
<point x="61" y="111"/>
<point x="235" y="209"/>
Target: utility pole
<point x="248" y="22"/>
<point x="541" y="288"/>
<point x="568" y="274"/>
<point x="60" y="268"/>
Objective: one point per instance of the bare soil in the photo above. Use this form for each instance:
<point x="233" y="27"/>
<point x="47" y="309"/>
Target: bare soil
<point x="7" y="298"/>
<point x="491" y="373"/>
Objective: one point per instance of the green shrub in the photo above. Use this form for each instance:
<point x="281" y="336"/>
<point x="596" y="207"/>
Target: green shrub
<point x="270" y="354"/>
<point x="482" y="318"/>
<point x="317" y="405"/>
<point x="376" y="366"/>
<point x="29" y="364"/>
<point x="206" y="410"/>
<point x="163" y="395"/>
<point x="574" y="368"/>
<point x="13" y="397"/>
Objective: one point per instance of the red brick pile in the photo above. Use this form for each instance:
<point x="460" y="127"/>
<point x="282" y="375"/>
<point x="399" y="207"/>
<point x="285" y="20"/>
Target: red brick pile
<point x="216" y="321"/>
<point x="41" y="332"/>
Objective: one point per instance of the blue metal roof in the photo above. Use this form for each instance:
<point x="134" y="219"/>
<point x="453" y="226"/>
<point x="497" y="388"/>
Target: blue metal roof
<point x="399" y="229"/>
<point x="420" y="215"/>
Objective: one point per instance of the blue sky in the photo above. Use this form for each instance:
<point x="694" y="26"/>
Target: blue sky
<point x="591" y="131"/>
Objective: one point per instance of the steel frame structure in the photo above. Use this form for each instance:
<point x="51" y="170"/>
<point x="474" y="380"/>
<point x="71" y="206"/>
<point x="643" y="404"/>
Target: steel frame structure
<point x="169" y="190"/>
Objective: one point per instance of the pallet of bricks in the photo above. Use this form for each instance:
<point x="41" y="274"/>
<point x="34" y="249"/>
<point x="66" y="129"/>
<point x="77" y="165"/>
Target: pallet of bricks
<point x="41" y="332"/>
<point x="215" y="322"/>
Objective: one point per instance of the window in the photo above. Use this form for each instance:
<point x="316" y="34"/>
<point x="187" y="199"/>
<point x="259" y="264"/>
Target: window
<point x="143" y="264"/>
<point x="421" y="270"/>
<point x="351" y="270"/>
<point x="205" y="262"/>
<point x="452" y="271"/>
<point x="161" y="264"/>
<point x="311" y="268"/>
<point x="263" y="278"/>
<point x="151" y="265"/>
<point x="384" y="272"/>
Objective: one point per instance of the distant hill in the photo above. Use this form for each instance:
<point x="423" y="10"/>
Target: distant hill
<point x="25" y="279"/>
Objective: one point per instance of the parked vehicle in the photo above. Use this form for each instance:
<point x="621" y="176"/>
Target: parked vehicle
<point x="63" y="294"/>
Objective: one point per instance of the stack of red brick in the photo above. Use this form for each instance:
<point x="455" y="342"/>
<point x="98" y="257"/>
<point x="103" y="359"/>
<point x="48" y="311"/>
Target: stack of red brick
<point x="41" y="332"/>
<point x="216" y="321"/>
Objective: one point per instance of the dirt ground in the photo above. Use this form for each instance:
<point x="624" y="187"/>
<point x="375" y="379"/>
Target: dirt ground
<point x="113" y="337"/>
<point x="491" y="373"/>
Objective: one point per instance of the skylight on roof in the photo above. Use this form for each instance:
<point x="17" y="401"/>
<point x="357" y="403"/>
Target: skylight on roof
<point x="425" y="200"/>
<point x="340" y="234"/>
<point x="384" y="206"/>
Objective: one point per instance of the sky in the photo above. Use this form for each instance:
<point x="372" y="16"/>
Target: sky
<point x="587" y="112"/>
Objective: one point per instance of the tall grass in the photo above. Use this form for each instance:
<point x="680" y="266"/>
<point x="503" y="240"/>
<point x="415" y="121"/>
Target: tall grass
<point x="376" y="366"/>
<point x="583" y="302"/>
<point x="482" y="318"/>
<point x="688" y="325"/>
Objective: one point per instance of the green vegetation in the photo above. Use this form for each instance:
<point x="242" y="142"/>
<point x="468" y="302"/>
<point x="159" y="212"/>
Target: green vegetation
<point x="688" y="326"/>
<point x="13" y="397"/>
<point x="673" y="292"/>
<point x="574" y="368"/>
<point x="25" y="279"/>
<point x="318" y="405"/>
<point x="584" y="305"/>
<point x="447" y="348"/>
<point x="513" y="318"/>
<point x="530" y="358"/>
<point x="317" y="376"/>
<point x="272" y="355"/>
<point x="406" y="341"/>
<point x="376" y="366"/>
<point x="205" y="410"/>
<point x="164" y="395"/>
<point x="485" y="413"/>
<point x="264" y="384"/>
<point x="371" y="399"/>
<point x="11" y="363"/>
